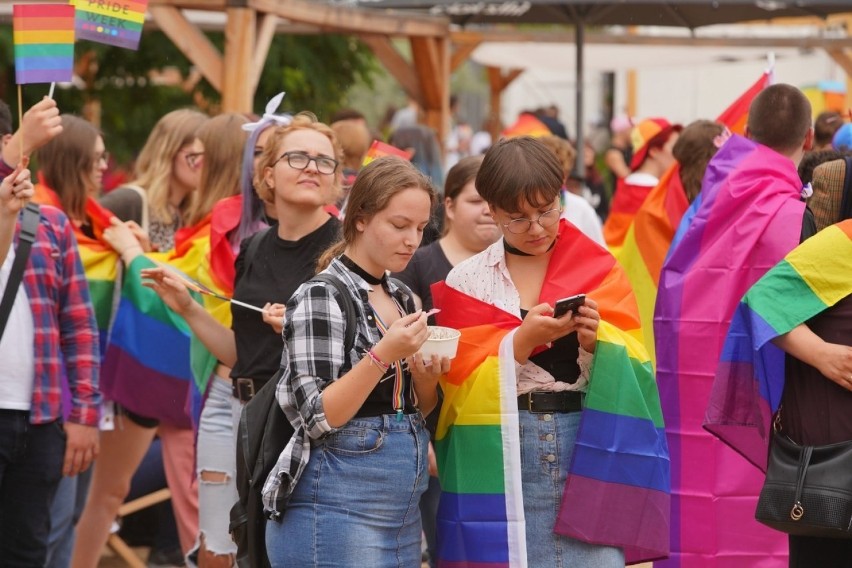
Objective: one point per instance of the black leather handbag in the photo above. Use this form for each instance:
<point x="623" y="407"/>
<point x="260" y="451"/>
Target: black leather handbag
<point x="808" y="489"/>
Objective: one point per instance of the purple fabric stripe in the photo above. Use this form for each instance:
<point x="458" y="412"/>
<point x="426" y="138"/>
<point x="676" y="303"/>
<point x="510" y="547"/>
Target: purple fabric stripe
<point x="25" y="76"/>
<point x="583" y="498"/>
<point x="149" y="393"/>
<point x="447" y="564"/>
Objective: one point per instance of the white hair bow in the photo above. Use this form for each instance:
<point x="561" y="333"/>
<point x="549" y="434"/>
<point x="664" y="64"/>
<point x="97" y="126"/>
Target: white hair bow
<point x="269" y="116"/>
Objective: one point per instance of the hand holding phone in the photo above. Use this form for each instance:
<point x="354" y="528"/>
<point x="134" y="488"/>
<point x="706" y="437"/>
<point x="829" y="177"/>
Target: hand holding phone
<point x="570" y="304"/>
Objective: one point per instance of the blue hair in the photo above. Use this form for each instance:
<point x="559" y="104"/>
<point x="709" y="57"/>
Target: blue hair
<point x="253" y="217"/>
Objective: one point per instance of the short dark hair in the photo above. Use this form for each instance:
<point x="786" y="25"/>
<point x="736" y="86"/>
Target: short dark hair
<point x="825" y="125"/>
<point x="5" y="119"/>
<point x="518" y="170"/>
<point x="346" y="114"/>
<point x="780" y="117"/>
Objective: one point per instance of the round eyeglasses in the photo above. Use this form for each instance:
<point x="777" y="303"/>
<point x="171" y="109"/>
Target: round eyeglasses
<point x="300" y="161"/>
<point x="522" y="225"/>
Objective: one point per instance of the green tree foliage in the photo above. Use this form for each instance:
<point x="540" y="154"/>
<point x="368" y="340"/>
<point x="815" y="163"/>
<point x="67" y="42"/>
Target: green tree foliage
<point x="314" y="70"/>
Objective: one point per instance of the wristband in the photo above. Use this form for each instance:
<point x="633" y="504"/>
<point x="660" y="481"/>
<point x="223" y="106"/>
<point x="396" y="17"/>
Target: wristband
<point x="374" y="360"/>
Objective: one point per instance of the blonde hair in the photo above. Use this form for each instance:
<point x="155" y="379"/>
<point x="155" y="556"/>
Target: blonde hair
<point x="374" y="187"/>
<point x="67" y="163"/>
<point x="355" y="140"/>
<point x="155" y="165"/>
<point x="564" y="151"/>
<point x="223" y="139"/>
<point x="302" y="121"/>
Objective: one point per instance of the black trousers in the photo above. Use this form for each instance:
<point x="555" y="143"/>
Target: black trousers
<point x="31" y="459"/>
<point x="813" y="552"/>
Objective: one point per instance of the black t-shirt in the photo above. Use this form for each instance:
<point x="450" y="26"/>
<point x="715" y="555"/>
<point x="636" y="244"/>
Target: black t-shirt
<point x="428" y="265"/>
<point x="277" y="270"/>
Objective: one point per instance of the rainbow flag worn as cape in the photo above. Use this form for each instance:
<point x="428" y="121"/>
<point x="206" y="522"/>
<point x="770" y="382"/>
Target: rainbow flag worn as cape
<point x="750" y="217"/>
<point x="750" y="378"/>
<point x="481" y="516"/>
<point x="653" y="229"/>
<point x="154" y="364"/>
<point x="100" y="262"/>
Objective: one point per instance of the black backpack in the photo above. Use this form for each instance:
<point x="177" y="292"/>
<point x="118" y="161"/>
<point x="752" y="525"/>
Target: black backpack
<point x="263" y="433"/>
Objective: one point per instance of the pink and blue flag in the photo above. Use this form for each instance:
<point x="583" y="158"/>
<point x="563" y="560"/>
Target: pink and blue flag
<point x="750" y="216"/>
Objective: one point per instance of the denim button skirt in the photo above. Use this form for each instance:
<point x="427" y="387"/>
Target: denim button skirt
<point x="356" y="503"/>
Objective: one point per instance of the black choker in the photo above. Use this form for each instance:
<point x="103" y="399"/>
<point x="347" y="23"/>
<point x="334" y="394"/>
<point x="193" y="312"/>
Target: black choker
<point x="517" y="252"/>
<point x="368" y="278"/>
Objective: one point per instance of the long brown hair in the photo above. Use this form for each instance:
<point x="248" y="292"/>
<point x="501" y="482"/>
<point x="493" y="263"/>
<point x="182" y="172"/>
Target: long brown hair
<point x="223" y="139"/>
<point x="155" y="165"/>
<point x="67" y="163"/>
<point x="693" y="151"/>
<point x="374" y="187"/>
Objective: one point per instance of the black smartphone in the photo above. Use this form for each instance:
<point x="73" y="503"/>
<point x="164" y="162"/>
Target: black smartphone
<point x="569" y="304"/>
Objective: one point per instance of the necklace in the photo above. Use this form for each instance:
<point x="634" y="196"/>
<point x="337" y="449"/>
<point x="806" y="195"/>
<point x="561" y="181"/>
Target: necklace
<point x="517" y="252"/>
<point x="368" y="278"/>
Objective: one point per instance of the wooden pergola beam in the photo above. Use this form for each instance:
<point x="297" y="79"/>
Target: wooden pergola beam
<point x="237" y="92"/>
<point x="843" y="59"/>
<point x="354" y="20"/>
<point x="460" y="37"/>
<point x="497" y="83"/>
<point x="191" y="41"/>
<point x="266" y="27"/>
<point x="461" y="53"/>
<point x="382" y="47"/>
<point x="432" y="66"/>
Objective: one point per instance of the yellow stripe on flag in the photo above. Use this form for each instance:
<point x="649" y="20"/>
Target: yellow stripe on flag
<point x="43" y="36"/>
<point x="815" y="261"/>
<point x="475" y="402"/>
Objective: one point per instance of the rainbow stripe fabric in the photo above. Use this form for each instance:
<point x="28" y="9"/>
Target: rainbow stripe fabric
<point x="44" y="43"/>
<point x="736" y="115"/>
<point x="380" y="149"/>
<point x="526" y="125"/>
<point x="750" y="378"/>
<point x="481" y="516"/>
<point x="750" y="217"/>
<point x="152" y="346"/>
<point x="114" y="22"/>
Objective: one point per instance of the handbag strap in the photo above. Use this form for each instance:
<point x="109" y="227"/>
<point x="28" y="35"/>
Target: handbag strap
<point x="804" y="459"/>
<point x="29" y="228"/>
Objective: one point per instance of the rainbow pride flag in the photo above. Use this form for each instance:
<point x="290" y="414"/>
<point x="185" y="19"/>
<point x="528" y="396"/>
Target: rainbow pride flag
<point x="44" y="42"/>
<point x="526" y="125"/>
<point x="380" y="149"/>
<point x="750" y="378"/>
<point x="750" y="217"/>
<point x="152" y="346"/>
<point x="114" y="22"/>
<point x="481" y="516"/>
<point x="736" y="115"/>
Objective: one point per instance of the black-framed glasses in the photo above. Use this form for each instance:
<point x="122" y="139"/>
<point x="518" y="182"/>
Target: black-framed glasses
<point x="300" y="161"/>
<point x="193" y="159"/>
<point x="522" y="225"/>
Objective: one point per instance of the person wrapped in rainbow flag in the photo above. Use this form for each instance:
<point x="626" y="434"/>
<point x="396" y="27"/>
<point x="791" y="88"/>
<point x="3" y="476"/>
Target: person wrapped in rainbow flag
<point x="550" y="444"/>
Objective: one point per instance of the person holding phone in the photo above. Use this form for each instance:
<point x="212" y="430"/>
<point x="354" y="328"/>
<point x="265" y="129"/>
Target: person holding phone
<point x="539" y="260"/>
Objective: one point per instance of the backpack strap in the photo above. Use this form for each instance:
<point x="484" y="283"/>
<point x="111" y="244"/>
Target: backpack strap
<point x="344" y="300"/>
<point x="26" y="238"/>
<point x="251" y="252"/>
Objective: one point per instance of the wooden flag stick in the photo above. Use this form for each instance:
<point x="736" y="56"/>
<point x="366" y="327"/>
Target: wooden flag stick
<point x="50" y="92"/>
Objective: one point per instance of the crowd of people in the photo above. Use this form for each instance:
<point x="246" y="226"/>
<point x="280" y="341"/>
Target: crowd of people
<point x="486" y="237"/>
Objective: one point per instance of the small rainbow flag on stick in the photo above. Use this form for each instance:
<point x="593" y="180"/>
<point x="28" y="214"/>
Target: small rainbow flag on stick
<point x="380" y="150"/>
<point x="44" y="43"/>
<point x="113" y="22"/>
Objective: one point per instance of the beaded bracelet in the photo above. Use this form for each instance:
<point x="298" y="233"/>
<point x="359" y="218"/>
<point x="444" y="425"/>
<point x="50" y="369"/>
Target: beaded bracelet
<point x="374" y="360"/>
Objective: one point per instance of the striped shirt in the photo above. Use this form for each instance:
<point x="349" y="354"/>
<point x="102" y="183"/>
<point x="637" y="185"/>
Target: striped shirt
<point x="66" y="335"/>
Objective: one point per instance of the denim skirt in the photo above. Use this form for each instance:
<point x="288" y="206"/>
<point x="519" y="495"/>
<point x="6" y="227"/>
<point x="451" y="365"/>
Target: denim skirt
<point x="356" y="503"/>
<point x="547" y="443"/>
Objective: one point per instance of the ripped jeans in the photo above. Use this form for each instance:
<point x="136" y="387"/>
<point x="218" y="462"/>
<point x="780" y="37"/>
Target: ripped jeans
<point x="216" y="456"/>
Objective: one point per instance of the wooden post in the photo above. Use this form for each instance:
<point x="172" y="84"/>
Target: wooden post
<point x="497" y="83"/>
<point x="237" y="87"/>
<point x="432" y="66"/>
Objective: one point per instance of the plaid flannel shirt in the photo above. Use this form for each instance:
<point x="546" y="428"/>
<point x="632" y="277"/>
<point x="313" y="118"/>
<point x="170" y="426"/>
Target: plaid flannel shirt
<point x="66" y="335"/>
<point x="313" y="357"/>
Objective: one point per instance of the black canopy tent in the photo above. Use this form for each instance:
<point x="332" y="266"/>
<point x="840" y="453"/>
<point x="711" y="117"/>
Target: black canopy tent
<point x="582" y="13"/>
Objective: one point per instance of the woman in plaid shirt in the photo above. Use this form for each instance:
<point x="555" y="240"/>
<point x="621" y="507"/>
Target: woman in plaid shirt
<point x="353" y="473"/>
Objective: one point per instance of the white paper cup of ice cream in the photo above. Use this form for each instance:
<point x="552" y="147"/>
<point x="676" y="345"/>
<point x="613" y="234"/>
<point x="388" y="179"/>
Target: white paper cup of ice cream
<point x="443" y="342"/>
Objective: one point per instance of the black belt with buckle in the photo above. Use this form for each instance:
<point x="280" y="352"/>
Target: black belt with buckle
<point x="244" y="389"/>
<point x="543" y="401"/>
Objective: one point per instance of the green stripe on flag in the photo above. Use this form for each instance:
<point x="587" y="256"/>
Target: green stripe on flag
<point x="784" y="298"/>
<point x="44" y="50"/>
<point x="609" y="392"/>
<point x="146" y="300"/>
<point x="471" y="459"/>
<point x="101" y="292"/>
